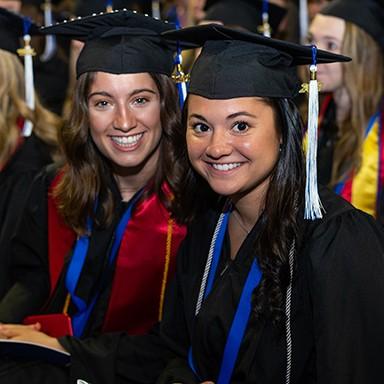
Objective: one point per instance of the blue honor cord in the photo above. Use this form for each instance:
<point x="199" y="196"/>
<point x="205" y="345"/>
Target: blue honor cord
<point x="243" y="311"/>
<point x="80" y="319"/>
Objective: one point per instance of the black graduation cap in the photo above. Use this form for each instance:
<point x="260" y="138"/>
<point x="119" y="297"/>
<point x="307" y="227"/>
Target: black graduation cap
<point x="367" y="14"/>
<point x="119" y="42"/>
<point x="246" y="14"/>
<point x="234" y="63"/>
<point x="12" y="30"/>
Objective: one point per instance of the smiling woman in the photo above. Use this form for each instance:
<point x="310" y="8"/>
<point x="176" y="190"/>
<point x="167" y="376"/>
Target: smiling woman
<point x="108" y="210"/>
<point x="124" y="119"/>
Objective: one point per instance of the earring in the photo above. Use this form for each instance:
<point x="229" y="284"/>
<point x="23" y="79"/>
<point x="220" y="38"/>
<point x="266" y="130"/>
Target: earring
<point x="280" y="147"/>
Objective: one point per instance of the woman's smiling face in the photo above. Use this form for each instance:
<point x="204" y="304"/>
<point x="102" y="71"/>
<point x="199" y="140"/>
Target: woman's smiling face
<point x="232" y="143"/>
<point x="124" y="118"/>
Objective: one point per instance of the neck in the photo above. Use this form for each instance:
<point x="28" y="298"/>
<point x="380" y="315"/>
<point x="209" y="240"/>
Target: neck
<point x="250" y="206"/>
<point x="131" y="180"/>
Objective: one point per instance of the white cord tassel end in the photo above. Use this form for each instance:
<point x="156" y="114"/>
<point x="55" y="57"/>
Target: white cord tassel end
<point x="313" y="206"/>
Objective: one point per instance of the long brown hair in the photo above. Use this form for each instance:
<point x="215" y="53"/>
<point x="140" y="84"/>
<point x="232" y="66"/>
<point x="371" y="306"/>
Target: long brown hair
<point x="12" y="107"/>
<point x="86" y="173"/>
<point x="280" y="218"/>
<point x="364" y="82"/>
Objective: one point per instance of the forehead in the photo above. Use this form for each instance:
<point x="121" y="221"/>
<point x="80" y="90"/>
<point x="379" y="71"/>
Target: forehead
<point x="226" y="107"/>
<point x="134" y="80"/>
<point x="327" y="25"/>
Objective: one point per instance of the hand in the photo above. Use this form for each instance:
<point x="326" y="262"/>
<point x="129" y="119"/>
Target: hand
<point x="29" y="333"/>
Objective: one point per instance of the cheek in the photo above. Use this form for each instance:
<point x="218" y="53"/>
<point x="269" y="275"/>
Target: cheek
<point x="195" y="147"/>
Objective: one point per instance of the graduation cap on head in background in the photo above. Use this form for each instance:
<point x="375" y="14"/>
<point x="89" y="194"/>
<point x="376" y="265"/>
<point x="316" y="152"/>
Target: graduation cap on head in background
<point x="367" y="14"/>
<point x="13" y="27"/>
<point x="45" y="6"/>
<point x="257" y="16"/>
<point x="119" y="42"/>
<point x="235" y="64"/>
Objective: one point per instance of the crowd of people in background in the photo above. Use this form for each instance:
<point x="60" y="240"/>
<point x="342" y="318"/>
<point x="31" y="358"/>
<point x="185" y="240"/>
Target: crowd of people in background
<point x="153" y="189"/>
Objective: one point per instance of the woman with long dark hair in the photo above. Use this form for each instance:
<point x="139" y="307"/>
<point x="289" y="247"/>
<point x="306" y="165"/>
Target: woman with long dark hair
<point x="97" y="240"/>
<point x="261" y="295"/>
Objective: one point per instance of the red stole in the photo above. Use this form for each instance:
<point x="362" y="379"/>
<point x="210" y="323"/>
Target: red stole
<point x="145" y="261"/>
<point x="61" y="238"/>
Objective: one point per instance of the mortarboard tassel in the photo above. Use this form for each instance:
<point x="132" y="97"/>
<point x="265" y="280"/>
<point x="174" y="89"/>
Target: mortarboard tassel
<point x="179" y="76"/>
<point x="156" y="9"/>
<point x="50" y="40"/>
<point x="28" y="52"/>
<point x="265" y="28"/>
<point x="313" y="206"/>
<point x="303" y="20"/>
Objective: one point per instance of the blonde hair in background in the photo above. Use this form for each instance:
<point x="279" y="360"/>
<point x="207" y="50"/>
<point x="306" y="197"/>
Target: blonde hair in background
<point x="12" y="107"/>
<point x="364" y="82"/>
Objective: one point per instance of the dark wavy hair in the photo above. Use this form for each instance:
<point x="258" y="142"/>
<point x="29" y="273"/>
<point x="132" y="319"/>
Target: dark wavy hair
<point x="279" y="219"/>
<point x="87" y="172"/>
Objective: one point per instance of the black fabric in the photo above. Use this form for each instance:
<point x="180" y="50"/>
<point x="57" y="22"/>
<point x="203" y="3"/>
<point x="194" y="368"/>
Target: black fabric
<point x="336" y="319"/>
<point x="51" y="80"/>
<point x="367" y="14"/>
<point x="12" y="29"/>
<point x="30" y="284"/>
<point x="233" y="63"/>
<point x="244" y="13"/>
<point x="15" y="181"/>
<point x="328" y="135"/>
<point x="119" y="42"/>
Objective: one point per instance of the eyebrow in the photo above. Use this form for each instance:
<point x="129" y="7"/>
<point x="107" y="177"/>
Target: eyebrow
<point x="133" y="93"/>
<point x="241" y="113"/>
<point x="229" y="117"/>
<point x="310" y="36"/>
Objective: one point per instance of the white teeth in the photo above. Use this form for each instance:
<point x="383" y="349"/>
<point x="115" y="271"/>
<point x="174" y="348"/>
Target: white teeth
<point x="226" y="167"/>
<point x="126" y="141"/>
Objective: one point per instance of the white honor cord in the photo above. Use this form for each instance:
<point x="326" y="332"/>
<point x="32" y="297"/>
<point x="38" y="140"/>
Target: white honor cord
<point x="208" y="264"/>
<point x="288" y="302"/>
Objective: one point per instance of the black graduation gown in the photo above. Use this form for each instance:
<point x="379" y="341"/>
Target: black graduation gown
<point x="337" y="315"/>
<point x="30" y="267"/>
<point x="15" y="180"/>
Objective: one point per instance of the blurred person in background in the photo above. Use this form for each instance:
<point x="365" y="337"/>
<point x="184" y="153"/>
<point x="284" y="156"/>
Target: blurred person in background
<point x="351" y="141"/>
<point x="21" y="158"/>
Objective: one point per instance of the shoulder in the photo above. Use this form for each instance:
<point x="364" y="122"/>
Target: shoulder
<point x="345" y="239"/>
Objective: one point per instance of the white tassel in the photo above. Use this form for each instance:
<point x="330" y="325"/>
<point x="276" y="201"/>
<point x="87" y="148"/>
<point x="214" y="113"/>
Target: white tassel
<point x="156" y="9"/>
<point x="28" y="52"/>
<point x="266" y="26"/>
<point x="313" y="206"/>
<point x="50" y="40"/>
<point x="303" y="19"/>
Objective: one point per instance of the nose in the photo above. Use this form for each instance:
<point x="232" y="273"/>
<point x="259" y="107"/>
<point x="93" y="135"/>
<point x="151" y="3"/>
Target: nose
<point x="219" y="145"/>
<point x="124" y="119"/>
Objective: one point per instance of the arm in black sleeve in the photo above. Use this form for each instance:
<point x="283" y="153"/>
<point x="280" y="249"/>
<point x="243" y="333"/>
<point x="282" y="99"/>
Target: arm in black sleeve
<point x="29" y="258"/>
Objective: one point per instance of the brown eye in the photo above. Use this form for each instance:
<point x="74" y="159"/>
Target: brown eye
<point x="240" y="126"/>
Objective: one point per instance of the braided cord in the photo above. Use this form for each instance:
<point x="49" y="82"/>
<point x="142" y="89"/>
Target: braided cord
<point x="208" y="263"/>
<point x="288" y="302"/>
